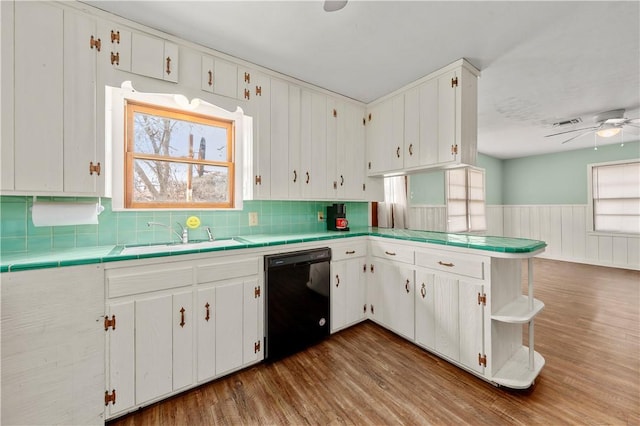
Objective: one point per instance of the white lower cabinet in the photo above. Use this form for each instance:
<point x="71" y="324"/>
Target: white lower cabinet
<point x="450" y="306"/>
<point x="348" y="285"/>
<point x="53" y="346"/>
<point x="391" y="280"/>
<point x="466" y="307"/>
<point x="172" y="326"/>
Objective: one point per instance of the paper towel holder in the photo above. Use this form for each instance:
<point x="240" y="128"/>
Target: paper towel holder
<point x="99" y="206"/>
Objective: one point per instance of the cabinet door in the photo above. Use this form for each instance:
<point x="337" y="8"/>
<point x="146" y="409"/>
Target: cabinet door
<point x="375" y="297"/>
<point x="228" y="320"/>
<point x="153" y="347"/>
<point x="116" y="44"/>
<point x="39" y="112"/>
<point x="207" y="73"/>
<point x="170" y="63"/>
<point x="313" y="150"/>
<point x="356" y="280"/>
<point x="429" y="123"/>
<point x="206" y="341"/>
<point x="80" y="136"/>
<point x="447" y="126"/>
<point x="349" y="152"/>
<point x="447" y="317"/>
<point x="412" y="128"/>
<point x="374" y="139"/>
<point x="396" y="156"/>
<point x="121" y="357"/>
<point x="53" y="353"/>
<point x="279" y="140"/>
<point x="183" y="326"/>
<point x="295" y="142"/>
<point x="338" y="295"/>
<point x="318" y="152"/>
<point x="262" y="135"/>
<point x="398" y="298"/>
<point x="471" y="325"/>
<point x="225" y="78"/>
<point x="6" y="100"/>
<point x="147" y="54"/>
<point x="332" y="147"/>
<point x="252" y="325"/>
<point x="425" y="310"/>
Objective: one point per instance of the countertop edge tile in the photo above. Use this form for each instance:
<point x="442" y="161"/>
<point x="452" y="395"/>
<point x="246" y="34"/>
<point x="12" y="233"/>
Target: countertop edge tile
<point x="78" y="256"/>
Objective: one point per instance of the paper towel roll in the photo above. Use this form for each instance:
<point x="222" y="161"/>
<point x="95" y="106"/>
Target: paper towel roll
<point x="60" y="214"/>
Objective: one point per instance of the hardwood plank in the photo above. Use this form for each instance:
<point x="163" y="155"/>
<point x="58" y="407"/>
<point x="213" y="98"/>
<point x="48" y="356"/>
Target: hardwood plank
<point x="589" y="334"/>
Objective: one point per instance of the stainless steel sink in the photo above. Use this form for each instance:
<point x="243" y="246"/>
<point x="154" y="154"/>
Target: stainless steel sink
<point x="176" y="247"/>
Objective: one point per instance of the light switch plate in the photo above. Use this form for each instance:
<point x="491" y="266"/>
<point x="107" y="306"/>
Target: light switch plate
<point x="253" y="218"/>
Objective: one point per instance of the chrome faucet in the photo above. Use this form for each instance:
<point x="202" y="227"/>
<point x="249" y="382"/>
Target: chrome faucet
<point x="211" y="237"/>
<point x="184" y="237"/>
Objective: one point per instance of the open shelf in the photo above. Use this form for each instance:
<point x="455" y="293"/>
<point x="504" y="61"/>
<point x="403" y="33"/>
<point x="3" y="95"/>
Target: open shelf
<point x="516" y="374"/>
<point x="518" y="311"/>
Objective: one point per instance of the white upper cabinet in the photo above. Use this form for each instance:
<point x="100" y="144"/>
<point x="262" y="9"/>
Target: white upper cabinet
<point x="116" y="42"/>
<point x="154" y="57"/>
<point x="57" y="146"/>
<point x="279" y="140"/>
<point x="219" y="76"/>
<point x="431" y="123"/>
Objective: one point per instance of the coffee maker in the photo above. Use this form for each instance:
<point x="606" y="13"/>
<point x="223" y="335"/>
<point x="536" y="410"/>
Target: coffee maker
<point x="337" y="218"/>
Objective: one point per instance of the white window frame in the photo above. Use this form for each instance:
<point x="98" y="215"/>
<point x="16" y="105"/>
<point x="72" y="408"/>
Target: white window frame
<point x="590" y="222"/>
<point x="473" y="222"/>
<point x="115" y="134"/>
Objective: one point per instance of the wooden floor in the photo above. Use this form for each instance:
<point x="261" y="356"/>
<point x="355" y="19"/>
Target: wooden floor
<point x="588" y="333"/>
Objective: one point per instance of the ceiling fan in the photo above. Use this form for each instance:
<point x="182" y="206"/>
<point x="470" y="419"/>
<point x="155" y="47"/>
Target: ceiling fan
<point x="607" y="124"/>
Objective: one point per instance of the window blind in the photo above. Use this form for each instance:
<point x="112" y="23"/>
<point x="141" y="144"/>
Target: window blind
<point x="616" y="197"/>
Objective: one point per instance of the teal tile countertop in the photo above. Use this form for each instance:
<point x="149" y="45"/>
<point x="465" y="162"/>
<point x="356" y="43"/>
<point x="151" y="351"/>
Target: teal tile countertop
<point x="87" y="255"/>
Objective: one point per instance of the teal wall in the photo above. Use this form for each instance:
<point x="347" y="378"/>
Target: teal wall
<point x="559" y="178"/>
<point x="18" y="233"/>
<point x="428" y="188"/>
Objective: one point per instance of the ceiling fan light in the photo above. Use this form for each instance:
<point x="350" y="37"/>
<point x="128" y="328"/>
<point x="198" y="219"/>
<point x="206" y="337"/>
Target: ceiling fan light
<point x="333" y="5"/>
<point x="608" y="132"/>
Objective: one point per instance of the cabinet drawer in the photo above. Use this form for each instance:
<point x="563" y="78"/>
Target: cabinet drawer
<point x="455" y="263"/>
<point x="395" y="252"/>
<point x="349" y="251"/>
<point x="232" y="268"/>
<point x="128" y="281"/>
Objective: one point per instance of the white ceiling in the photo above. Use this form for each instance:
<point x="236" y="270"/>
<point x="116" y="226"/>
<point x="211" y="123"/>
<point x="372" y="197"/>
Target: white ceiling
<point x="540" y="62"/>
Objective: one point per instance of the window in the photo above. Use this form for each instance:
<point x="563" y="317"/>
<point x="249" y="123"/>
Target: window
<point x="177" y="159"/>
<point x="169" y="153"/>
<point x="465" y="196"/>
<point x="615" y="197"/>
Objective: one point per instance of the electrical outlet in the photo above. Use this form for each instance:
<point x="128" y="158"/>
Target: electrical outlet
<point x="253" y="218"/>
<point x="320" y="217"/>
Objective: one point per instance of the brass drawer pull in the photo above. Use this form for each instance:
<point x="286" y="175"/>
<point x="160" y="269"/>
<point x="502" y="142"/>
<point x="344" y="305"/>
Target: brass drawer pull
<point x="390" y="253"/>
<point x="210" y="78"/>
<point x="207" y="317"/>
<point x="182" y="323"/>
<point x="447" y="264"/>
<point x="350" y="252"/>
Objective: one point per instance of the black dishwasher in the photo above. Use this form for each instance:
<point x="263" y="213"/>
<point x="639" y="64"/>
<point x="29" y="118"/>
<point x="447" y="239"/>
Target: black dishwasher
<point x="297" y="286"/>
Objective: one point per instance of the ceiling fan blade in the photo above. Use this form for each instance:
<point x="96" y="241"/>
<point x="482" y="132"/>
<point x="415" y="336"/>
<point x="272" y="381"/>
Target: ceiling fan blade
<point x="571" y="131"/>
<point x="578" y="136"/>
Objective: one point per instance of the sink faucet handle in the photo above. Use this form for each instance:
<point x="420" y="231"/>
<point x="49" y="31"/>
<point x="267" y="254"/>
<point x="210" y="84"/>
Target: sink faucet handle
<point x="208" y="229"/>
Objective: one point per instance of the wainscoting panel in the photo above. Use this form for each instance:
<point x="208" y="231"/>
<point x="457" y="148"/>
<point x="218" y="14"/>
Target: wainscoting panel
<point x="562" y="227"/>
